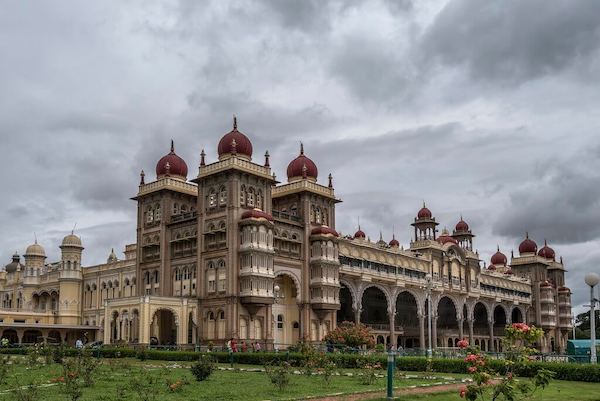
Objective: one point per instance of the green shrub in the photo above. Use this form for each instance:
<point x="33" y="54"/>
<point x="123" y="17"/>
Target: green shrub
<point x="203" y="368"/>
<point x="279" y="375"/>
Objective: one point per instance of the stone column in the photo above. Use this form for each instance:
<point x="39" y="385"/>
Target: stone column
<point x="434" y="331"/>
<point x="422" y="332"/>
<point x="461" y="322"/>
<point x="470" y="323"/>
<point x="392" y="318"/>
<point x="357" y="311"/>
<point x="491" y="328"/>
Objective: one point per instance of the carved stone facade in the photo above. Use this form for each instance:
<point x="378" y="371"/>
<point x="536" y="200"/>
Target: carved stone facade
<point x="235" y="253"/>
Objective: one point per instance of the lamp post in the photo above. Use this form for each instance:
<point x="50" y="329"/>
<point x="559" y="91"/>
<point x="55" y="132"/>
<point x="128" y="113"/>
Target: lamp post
<point x="429" y="280"/>
<point x="592" y="279"/>
<point x="391" y="362"/>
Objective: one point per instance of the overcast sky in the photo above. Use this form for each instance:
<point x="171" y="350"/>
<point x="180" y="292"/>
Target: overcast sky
<point x="489" y="109"/>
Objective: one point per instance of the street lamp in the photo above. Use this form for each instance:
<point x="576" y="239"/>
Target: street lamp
<point x="592" y="279"/>
<point x="276" y="293"/>
<point x="429" y="287"/>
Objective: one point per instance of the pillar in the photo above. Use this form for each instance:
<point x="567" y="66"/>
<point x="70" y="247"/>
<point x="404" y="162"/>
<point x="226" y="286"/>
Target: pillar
<point x="392" y="317"/>
<point x="434" y="331"/>
<point x="422" y="332"/>
<point x="461" y="322"/>
<point x="470" y="323"/>
<point x="491" y="328"/>
<point x="357" y="312"/>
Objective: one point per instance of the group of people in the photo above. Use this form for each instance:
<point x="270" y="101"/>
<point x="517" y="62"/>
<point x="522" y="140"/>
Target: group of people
<point x="232" y="346"/>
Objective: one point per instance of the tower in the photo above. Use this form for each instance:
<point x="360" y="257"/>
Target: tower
<point x="70" y="281"/>
<point x="425" y="225"/>
<point x="462" y="233"/>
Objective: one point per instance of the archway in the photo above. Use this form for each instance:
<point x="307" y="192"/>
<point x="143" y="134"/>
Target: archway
<point x="374" y="309"/>
<point x="447" y="322"/>
<point x="11" y="335"/>
<point x="286" y="312"/>
<point x="516" y="315"/>
<point x="480" y="322"/>
<point x="54" y="337"/>
<point x="32" y="336"/>
<point x="499" y="321"/>
<point x="164" y="327"/>
<point x="346" y="313"/>
<point x="408" y="320"/>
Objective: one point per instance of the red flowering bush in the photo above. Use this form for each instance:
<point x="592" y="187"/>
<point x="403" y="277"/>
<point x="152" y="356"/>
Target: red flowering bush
<point x="486" y="381"/>
<point x="351" y="335"/>
<point x="462" y="344"/>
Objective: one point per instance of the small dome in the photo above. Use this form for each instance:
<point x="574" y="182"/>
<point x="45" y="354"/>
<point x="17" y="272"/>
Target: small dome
<point x="394" y="242"/>
<point x="256" y="214"/>
<point x="360" y="234"/>
<point x="14" y="264"/>
<point x="71" y="240"/>
<point x="302" y="167"/>
<point x="547" y="252"/>
<point x="35" y="250"/>
<point x="424" y="213"/>
<point x="461" y="226"/>
<point x="171" y="165"/>
<point x="546" y="284"/>
<point x="564" y="289"/>
<point x="445" y="238"/>
<point x="234" y="142"/>
<point x="112" y="258"/>
<point x="498" y="258"/>
<point x="491" y="267"/>
<point x="527" y="246"/>
<point x="324" y="230"/>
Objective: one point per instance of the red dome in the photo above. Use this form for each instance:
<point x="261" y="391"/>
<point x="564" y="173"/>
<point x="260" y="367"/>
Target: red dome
<point x="461" y="226"/>
<point x="443" y="239"/>
<point x="498" y="258"/>
<point x="491" y="267"/>
<point x="243" y="146"/>
<point x="360" y="234"/>
<point x="547" y="252"/>
<point x="424" y="213"/>
<point x="256" y="214"/>
<point x="324" y="230"/>
<point x="171" y="164"/>
<point x="528" y="245"/>
<point x="302" y="167"/>
<point x="394" y="242"/>
<point x="564" y="289"/>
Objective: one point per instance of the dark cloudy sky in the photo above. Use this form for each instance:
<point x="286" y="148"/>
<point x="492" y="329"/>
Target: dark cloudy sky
<point x="489" y="109"/>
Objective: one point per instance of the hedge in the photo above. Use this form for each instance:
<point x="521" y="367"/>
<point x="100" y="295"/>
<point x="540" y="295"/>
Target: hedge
<point x="563" y="371"/>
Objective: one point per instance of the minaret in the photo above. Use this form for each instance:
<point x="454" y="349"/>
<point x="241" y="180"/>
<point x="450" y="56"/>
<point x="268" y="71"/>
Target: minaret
<point x="70" y="280"/>
<point x="425" y="225"/>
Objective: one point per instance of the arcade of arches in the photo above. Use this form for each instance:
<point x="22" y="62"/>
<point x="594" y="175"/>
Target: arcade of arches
<point x="399" y="318"/>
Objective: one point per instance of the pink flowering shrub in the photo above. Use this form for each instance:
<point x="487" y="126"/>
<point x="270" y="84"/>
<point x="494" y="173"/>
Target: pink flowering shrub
<point x="488" y="382"/>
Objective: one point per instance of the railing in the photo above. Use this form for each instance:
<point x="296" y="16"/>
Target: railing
<point x="286" y="216"/>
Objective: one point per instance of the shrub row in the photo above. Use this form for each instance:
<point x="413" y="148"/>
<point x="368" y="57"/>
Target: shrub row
<point x="563" y="371"/>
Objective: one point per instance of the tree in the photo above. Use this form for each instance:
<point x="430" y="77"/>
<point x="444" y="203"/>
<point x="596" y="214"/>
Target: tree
<point x="351" y="335"/>
<point x="582" y="325"/>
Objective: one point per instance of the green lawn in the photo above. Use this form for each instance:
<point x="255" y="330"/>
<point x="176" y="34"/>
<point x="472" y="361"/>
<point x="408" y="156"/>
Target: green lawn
<point x="557" y="391"/>
<point x="117" y="375"/>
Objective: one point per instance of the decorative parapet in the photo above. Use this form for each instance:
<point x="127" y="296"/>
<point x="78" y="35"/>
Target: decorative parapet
<point x="236" y="163"/>
<point x="304" y="185"/>
<point x="167" y="183"/>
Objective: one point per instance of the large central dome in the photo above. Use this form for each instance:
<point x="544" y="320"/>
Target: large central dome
<point x="234" y="142"/>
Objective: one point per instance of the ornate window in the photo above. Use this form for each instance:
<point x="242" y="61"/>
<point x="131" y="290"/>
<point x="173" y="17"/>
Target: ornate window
<point x="242" y="195"/>
<point x="250" y="201"/>
<point x="212" y="198"/>
<point x="259" y="199"/>
<point x="222" y="196"/>
<point x="280" y="321"/>
<point x="222" y="276"/>
<point x="211" y="278"/>
<point x="175" y="208"/>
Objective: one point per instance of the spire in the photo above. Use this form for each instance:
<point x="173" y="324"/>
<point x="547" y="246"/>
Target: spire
<point x="172" y="146"/>
<point x="424" y="203"/>
<point x="301" y="148"/>
<point x="73" y="230"/>
<point x="35" y="237"/>
<point x="526" y="234"/>
<point x="498" y="247"/>
<point x="512" y="254"/>
<point x="274" y="177"/>
<point x="202" y="155"/>
<point x="380" y="236"/>
<point x="267" y="159"/>
<point x="234" y="123"/>
<point x="142" y="175"/>
<point x="330" y="185"/>
<point x="545" y="242"/>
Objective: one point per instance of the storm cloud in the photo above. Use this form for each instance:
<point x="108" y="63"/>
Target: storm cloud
<point x="488" y="110"/>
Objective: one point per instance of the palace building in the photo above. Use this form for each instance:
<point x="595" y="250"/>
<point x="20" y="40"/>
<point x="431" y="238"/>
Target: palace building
<point x="233" y="252"/>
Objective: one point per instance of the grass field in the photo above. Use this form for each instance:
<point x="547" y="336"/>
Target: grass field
<point x="557" y="391"/>
<point x="114" y="381"/>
